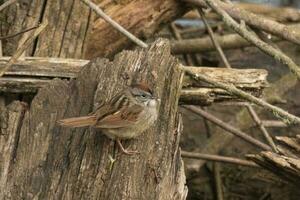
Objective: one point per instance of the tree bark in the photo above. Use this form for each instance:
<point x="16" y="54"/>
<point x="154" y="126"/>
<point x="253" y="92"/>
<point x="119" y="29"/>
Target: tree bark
<point x="41" y="160"/>
<point x="75" y="31"/>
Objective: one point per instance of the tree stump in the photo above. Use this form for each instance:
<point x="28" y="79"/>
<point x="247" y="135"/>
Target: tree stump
<point x="41" y="160"/>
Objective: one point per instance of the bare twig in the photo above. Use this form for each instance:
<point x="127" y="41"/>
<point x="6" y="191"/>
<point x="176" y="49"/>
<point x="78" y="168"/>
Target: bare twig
<point x="177" y="35"/>
<point x="218" y="181"/>
<point x="7" y="3"/>
<point x="216" y="167"/>
<point x="228" y="127"/>
<point x="273" y="123"/>
<point x="251" y="37"/>
<point x="260" y="22"/>
<point x="220" y="139"/>
<point x="262" y="128"/>
<point x="278" y="112"/>
<point x="218" y="158"/>
<point x="23" y="47"/>
<point x="1" y="50"/>
<point x="16" y="34"/>
<point x="213" y="39"/>
<point x="249" y="107"/>
<point x="198" y="45"/>
<point x="117" y="26"/>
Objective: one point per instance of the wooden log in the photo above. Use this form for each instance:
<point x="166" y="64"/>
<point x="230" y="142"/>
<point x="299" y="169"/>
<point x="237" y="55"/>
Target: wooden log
<point x="286" y="164"/>
<point x="31" y="74"/>
<point x="289" y="33"/>
<point x="193" y="92"/>
<point x="139" y="17"/>
<point x="280" y="14"/>
<point x="52" y="162"/>
<point x="230" y="41"/>
<point x="74" y="31"/>
<point x="221" y="139"/>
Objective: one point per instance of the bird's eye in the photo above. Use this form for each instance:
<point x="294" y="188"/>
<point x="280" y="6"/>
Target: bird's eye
<point x="143" y="95"/>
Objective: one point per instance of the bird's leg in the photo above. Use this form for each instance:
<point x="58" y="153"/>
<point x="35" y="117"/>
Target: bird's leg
<point x="128" y="152"/>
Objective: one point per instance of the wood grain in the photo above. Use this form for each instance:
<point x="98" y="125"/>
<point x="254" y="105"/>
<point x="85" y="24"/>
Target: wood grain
<point x="52" y="162"/>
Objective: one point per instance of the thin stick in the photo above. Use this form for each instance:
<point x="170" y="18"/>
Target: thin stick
<point x="19" y="33"/>
<point x="114" y="24"/>
<point x="255" y="20"/>
<point x="248" y="106"/>
<point x="252" y="38"/>
<point x="218" y="181"/>
<point x="218" y="158"/>
<point x="262" y="128"/>
<point x="228" y="127"/>
<point x="177" y="35"/>
<point x="213" y="39"/>
<point x="1" y="50"/>
<point x="23" y="47"/>
<point x="7" y="3"/>
<point x="273" y="123"/>
<point x="278" y="112"/>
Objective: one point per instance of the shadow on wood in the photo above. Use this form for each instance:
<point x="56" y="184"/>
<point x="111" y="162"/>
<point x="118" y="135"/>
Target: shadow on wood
<point x="41" y="160"/>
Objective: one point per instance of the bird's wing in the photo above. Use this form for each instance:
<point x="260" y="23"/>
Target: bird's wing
<point x="120" y="118"/>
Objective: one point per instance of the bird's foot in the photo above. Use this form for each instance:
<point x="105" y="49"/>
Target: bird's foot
<point x="125" y="151"/>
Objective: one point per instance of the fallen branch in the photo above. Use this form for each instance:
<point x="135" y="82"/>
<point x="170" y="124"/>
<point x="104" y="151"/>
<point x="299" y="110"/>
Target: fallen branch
<point x="218" y="158"/>
<point x="278" y="112"/>
<point x="32" y="73"/>
<point x="285" y="165"/>
<point x="220" y="139"/>
<point x="260" y="22"/>
<point x="250" y="108"/>
<point x="23" y="47"/>
<point x="251" y="37"/>
<point x="228" y="127"/>
<point x="230" y="41"/>
<point x="279" y="14"/>
<point x="117" y="26"/>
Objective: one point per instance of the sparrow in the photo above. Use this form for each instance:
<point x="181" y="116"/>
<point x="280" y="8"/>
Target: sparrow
<point x="125" y="116"/>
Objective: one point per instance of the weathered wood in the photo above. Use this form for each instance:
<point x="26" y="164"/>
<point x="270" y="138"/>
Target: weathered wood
<point x="65" y="36"/>
<point x="75" y="31"/>
<point x="52" y="162"/>
<point x="286" y="164"/>
<point x="31" y="74"/>
<point x="230" y="41"/>
<point x="249" y="80"/>
<point x="280" y="14"/>
<point x="220" y="139"/>
<point x="139" y="17"/>
<point x="10" y="121"/>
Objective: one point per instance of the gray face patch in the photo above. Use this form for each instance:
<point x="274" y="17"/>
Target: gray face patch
<point x="141" y="95"/>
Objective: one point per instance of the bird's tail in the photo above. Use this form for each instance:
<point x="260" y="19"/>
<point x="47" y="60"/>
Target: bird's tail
<point x="78" y="121"/>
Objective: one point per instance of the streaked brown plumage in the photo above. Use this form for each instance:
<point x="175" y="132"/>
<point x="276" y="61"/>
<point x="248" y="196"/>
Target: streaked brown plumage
<point x="125" y="116"/>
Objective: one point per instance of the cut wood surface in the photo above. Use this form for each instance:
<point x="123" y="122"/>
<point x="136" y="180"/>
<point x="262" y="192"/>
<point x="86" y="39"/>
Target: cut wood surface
<point x="46" y="161"/>
<point x="32" y="73"/>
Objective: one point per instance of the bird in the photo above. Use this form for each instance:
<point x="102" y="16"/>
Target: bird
<point x="125" y="116"/>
